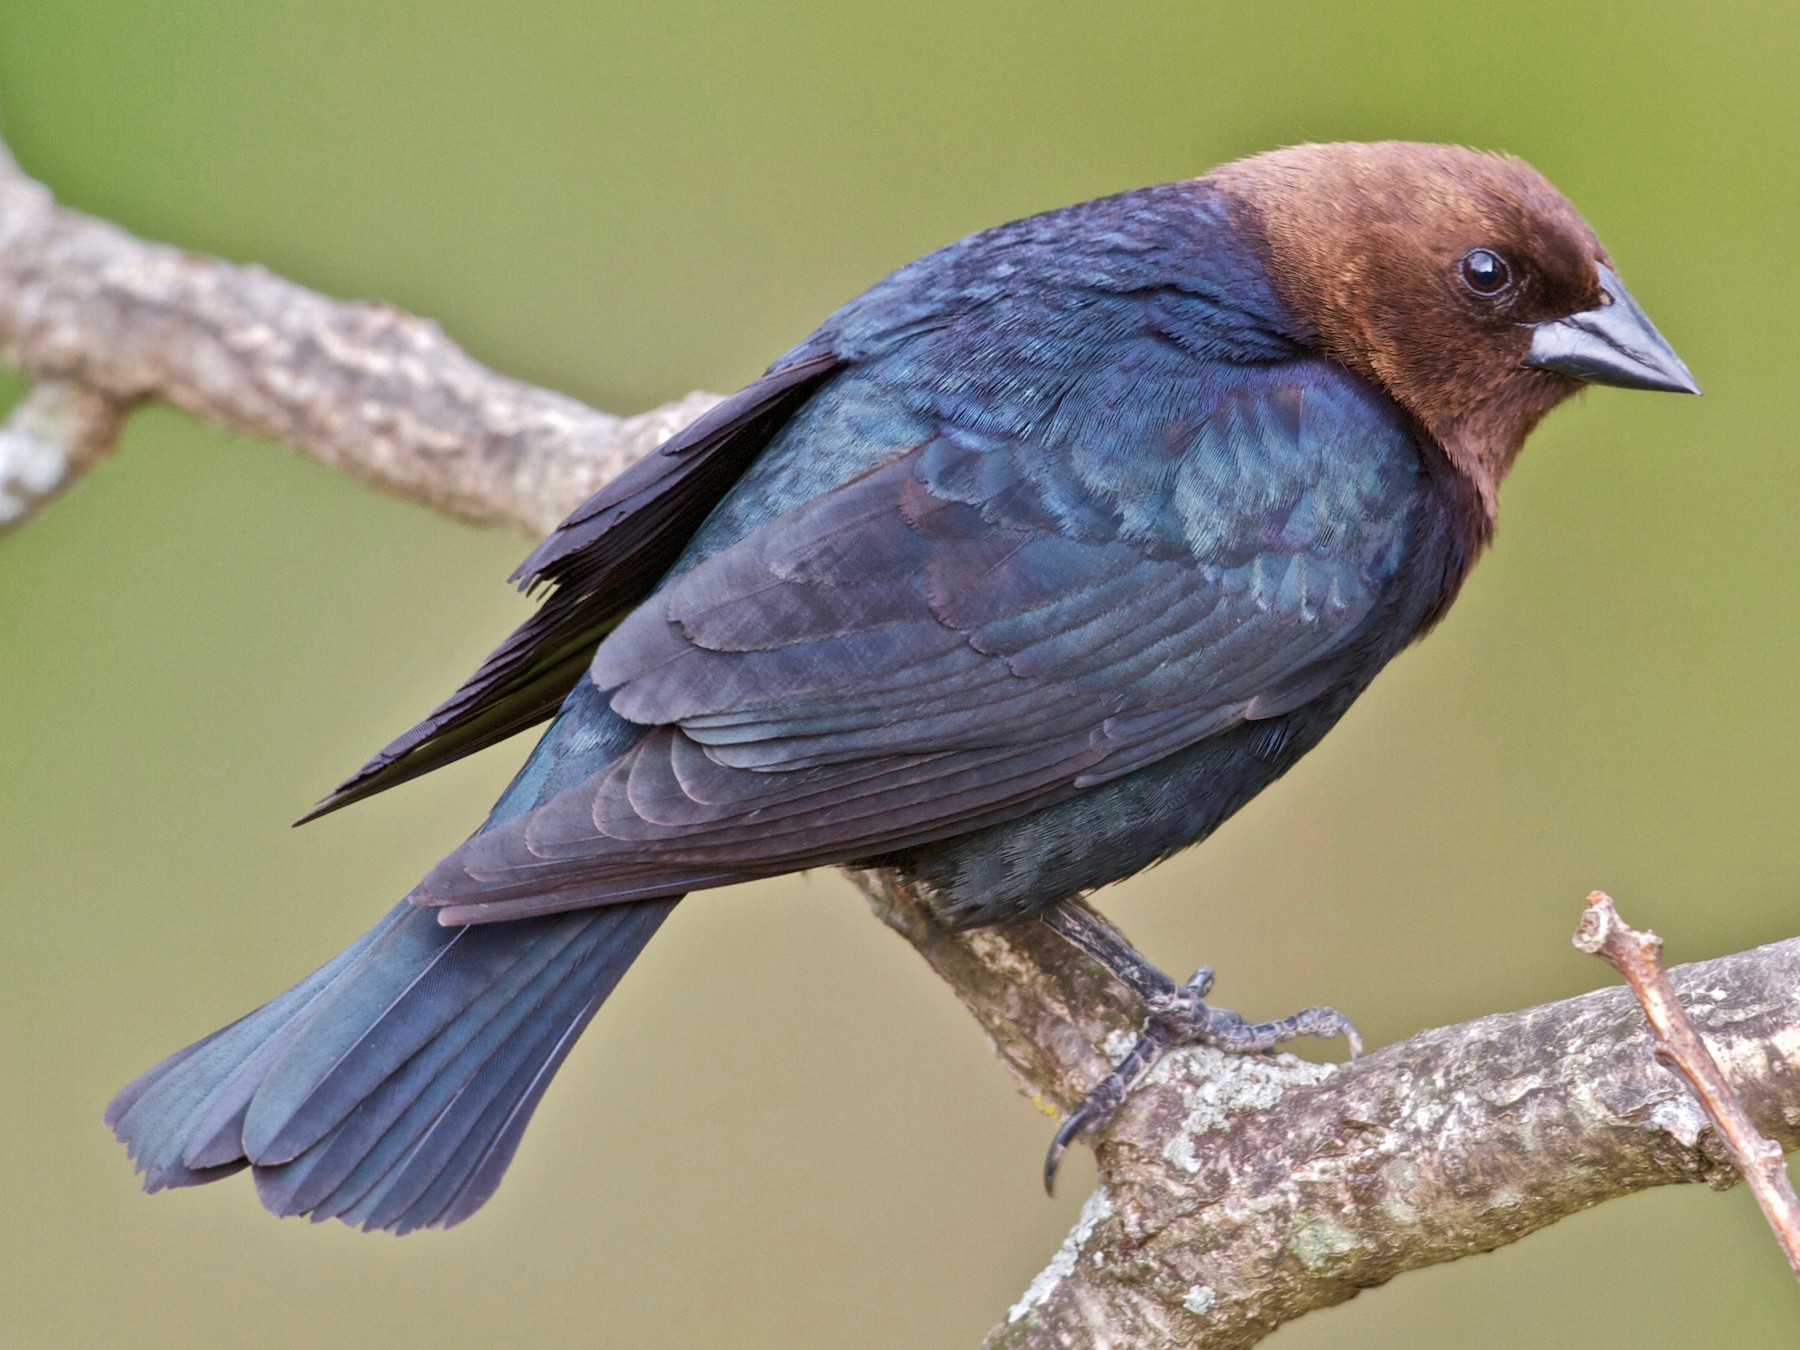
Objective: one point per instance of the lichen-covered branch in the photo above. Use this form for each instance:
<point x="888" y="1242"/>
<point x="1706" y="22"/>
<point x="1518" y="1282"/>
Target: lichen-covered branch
<point x="1236" y="1193"/>
<point x="1236" y="1196"/>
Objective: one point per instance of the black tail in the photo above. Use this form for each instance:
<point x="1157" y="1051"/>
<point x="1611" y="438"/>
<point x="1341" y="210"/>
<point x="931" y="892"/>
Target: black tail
<point x="390" y="1088"/>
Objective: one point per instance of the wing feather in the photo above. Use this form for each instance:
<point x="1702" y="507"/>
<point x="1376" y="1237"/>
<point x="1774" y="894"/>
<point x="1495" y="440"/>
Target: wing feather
<point x="959" y="636"/>
<point x="598" y="563"/>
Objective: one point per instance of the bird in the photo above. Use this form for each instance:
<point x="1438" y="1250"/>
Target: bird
<point x="1024" y="571"/>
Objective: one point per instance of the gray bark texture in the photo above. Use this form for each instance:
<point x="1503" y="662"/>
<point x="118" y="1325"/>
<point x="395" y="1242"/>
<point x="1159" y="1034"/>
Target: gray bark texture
<point x="365" y="388"/>
<point x="1236" y="1193"/>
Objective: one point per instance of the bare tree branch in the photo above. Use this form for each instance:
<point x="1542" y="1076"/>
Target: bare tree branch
<point x="365" y="388"/>
<point x="1236" y="1193"/>
<point x="57" y="433"/>
<point x="1638" y="957"/>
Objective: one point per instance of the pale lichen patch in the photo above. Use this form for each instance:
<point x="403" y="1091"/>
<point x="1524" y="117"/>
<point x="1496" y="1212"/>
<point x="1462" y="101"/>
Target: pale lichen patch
<point x="1097" y="1209"/>
<point x="1215" y="1087"/>
<point x="998" y="954"/>
<point x="1118" y="1044"/>
<point x="1681" y="1118"/>
<point x="1321" y="1241"/>
<point x="31" y="467"/>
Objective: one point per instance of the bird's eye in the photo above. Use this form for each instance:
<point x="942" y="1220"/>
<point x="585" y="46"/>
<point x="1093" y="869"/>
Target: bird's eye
<point x="1485" y="273"/>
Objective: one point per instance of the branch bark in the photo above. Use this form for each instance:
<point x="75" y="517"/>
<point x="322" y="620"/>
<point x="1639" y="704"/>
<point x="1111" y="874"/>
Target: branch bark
<point x="1236" y="1193"/>
<point x="56" y="434"/>
<point x="1637" y="956"/>
<point x="377" y="393"/>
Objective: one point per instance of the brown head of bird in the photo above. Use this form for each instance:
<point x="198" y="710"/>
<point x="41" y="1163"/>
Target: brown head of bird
<point x="1461" y="283"/>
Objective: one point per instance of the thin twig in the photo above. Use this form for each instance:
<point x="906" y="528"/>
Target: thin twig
<point x="1637" y="957"/>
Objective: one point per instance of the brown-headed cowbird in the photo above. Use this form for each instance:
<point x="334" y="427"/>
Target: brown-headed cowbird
<point x="1028" y="568"/>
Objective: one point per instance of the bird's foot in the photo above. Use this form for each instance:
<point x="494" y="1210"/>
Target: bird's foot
<point x="1179" y="1015"/>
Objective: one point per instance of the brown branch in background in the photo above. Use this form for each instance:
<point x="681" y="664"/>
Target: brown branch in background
<point x="1236" y="1192"/>
<point x="1637" y="956"/>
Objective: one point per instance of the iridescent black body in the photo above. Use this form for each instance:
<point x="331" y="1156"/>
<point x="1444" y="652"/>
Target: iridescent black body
<point x="1027" y="569"/>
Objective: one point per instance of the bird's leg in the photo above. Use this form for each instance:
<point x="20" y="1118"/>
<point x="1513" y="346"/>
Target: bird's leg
<point x="1177" y="1014"/>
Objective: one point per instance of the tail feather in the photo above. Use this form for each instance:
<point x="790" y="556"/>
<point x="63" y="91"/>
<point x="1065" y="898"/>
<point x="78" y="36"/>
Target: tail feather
<point x="414" y="988"/>
<point x="394" y="1145"/>
<point x="171" y="1116"/>
<point x="391" y="1087"/>
<point x="456" y="1163"/>
<point x="358" y="1150"/>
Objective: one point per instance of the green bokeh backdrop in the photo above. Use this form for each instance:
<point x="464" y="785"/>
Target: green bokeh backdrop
<point x="783" y="1131"/>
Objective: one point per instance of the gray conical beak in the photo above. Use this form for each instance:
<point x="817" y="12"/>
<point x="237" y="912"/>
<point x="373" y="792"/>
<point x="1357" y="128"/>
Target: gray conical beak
<point x="1615" y="344"/>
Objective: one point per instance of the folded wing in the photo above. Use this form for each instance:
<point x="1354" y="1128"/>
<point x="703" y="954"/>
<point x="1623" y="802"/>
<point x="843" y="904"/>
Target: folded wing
<point x="597" y="564"/>
<point x="979" y="626"/>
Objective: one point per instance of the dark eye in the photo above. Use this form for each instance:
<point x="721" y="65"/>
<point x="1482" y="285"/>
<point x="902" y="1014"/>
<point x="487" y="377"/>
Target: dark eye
<point x="1485" y="272"/>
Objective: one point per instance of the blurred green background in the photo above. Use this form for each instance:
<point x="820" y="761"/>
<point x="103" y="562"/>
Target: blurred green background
<point x="783" y="1131"/>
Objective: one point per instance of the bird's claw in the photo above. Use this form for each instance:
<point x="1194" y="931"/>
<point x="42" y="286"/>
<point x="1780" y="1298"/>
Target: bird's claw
<point x="1179" y="1016"/>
